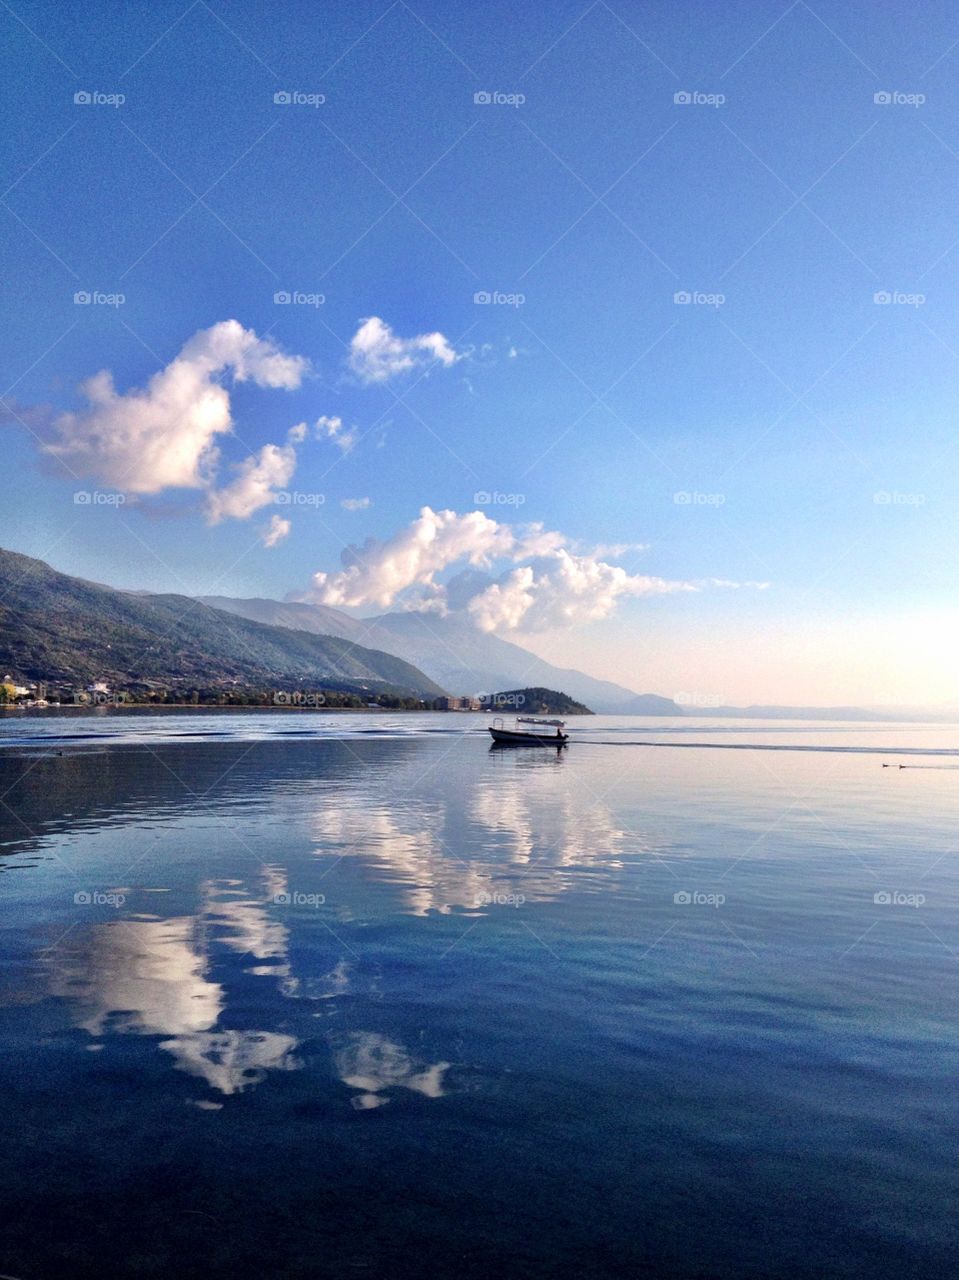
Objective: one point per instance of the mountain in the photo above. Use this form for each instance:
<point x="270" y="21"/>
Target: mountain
<point x="316" y="618"/>
<point x="536" y="702"/>
<point x="793" y="713"/>
<point x="61" y="629"/>
<point x="454" y="653"/>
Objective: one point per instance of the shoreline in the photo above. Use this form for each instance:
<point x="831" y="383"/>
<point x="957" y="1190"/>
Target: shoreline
<point x="105" y="708"/>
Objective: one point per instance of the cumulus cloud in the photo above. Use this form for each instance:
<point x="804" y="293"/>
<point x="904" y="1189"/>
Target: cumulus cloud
<point x="257" y="480"/>
<point x="332" y="429"/>
<point x="378" y="354"/>
<point x="164" y="435"/>
<point x="356" y="504"/>
<point x="275" y="531"/>
<point x="548" y="585"/>
<point x="377" y="572"/>
<point x="562" y="591"/>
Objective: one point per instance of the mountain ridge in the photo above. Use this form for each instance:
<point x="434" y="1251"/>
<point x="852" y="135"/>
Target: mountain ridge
<point x="456" y="655"/>
<point x="55" y="627"/>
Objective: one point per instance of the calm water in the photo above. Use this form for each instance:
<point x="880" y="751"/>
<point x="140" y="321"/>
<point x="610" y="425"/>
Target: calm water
<point x="295" y="994"/>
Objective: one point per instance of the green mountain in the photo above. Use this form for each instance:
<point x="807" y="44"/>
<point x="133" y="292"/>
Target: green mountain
<point x="65" y="630"/>
<point x="536" y="702"/>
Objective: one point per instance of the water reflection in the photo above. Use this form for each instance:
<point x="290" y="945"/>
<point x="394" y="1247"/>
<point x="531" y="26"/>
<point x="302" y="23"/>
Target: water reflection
<point x="146" y="977"/>
<point x="520" y="830"/>
<point x="231" y="1061"/>
<point x="533" y="820"/>
<point x="150" y="977"/>
<point x="373" y="1064"/>
<point x="225" y="985"/>
<point x="243" y="922"/>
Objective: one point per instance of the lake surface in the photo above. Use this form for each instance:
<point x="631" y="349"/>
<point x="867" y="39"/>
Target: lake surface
<point x="297" y="994"/>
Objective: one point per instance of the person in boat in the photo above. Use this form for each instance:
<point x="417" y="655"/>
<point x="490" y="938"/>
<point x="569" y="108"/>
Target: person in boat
<point x="559" y="731"/>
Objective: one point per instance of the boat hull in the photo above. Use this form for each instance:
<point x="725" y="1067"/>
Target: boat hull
<point x="512" y="738"/>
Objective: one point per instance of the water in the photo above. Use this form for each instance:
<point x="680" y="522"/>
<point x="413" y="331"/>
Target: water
<point x="299" y="994"/>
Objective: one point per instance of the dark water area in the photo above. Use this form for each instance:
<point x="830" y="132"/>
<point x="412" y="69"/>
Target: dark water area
<point x="361" y="996"/>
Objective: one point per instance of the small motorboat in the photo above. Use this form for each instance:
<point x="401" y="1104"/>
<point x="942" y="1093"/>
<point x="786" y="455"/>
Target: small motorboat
<point x="535" y="736"/>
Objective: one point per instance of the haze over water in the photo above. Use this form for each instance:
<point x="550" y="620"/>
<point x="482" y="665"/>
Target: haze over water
<point x="359" y="995"/>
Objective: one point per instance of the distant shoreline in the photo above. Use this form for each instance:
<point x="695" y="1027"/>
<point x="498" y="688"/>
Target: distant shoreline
<point x="211" y="706"/>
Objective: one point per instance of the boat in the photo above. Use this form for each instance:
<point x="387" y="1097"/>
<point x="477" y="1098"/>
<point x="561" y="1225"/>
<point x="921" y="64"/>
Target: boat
<point x="522" y="737"/>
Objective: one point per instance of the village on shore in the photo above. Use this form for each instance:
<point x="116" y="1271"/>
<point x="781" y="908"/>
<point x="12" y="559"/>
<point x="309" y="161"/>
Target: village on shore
<point x="99" y="693"/>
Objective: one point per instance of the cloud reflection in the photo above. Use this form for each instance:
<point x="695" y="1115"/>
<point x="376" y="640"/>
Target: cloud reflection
<point x="524" y="834"/>
<point x="150" y="977"/>
<point x="370" y="1062"/>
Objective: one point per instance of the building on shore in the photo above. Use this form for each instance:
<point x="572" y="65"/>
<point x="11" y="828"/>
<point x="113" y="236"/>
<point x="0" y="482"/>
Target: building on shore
<point x="460" y="704"/>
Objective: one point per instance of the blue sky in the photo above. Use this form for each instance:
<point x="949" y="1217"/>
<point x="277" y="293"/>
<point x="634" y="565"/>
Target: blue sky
<point x="810" y="426"/>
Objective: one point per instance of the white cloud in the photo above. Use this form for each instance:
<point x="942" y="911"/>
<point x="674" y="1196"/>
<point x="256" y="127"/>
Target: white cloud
<point x="257" y="480"/>
<point x="616" y="550"/>
<point x="377" y="572"/>
<point x="356" y="504"/>
<point x="332" y="429"/>
<point x="163" y="435"/>
<point x="549" y="586"/>
<point x="562" y="590"/>
<point x="378" y="354"/>
<point x="274" y="532"/>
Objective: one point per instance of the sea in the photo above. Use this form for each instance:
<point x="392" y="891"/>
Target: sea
<point x="298" y="993"/>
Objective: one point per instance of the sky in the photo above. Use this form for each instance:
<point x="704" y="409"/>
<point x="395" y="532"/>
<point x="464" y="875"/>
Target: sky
<point x="628" y="330"/>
